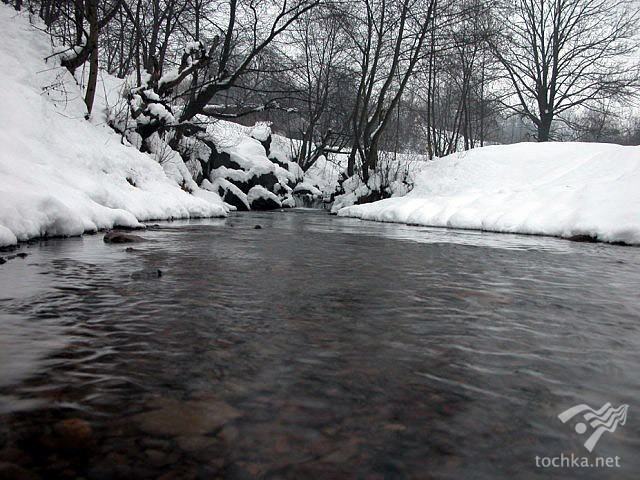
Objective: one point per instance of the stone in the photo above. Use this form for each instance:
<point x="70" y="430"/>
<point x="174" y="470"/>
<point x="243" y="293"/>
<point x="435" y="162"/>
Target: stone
<point x="14" y="455"/>
<point x="156" y="443"/>
<point x="266" y="144"/>
<point x="232" y="199"/>
<point x="244" y="187"/>
<point x="73" y="434"/>
<point x="279" y="163"/>
<point x="174" y="418"/>
<point x="230" y="434"/>
<point x="308" y="200"/>
<point x="115" y="236"/>
<point x="267" y="180"/>
<point x="264" y="203"/>
<point x="197" y="443"/>
<point x="395" y="427"/>
<point x="219" y="159"/>
<point x="11" y="471"/>
<point x="158" y="458"/>
<point x="178" y="475"/>
<point x="582" y="238"/>
<point x="110" y="471"/>
<point x="257" y="227"/>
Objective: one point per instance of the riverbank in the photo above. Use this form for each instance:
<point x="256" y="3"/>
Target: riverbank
<point x="61" y="175"/>
<point x="584" y="191"/>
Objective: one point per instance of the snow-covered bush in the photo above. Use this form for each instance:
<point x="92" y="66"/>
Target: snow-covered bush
<point x="393" y="177"/>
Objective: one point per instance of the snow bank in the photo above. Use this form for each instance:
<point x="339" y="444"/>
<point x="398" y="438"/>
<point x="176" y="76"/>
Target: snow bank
<point x="59" y="174"/>
<point x="559" y="189"/>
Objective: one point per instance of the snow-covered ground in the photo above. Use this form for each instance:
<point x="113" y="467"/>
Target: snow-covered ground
<point x="559" y="189"/>
<point x="62" y="175"/>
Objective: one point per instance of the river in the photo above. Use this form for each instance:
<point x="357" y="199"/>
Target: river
<point x="315" y="347"/>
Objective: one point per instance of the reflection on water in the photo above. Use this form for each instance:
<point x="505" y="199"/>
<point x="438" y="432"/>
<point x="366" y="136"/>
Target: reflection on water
<point x="314" y="347"/>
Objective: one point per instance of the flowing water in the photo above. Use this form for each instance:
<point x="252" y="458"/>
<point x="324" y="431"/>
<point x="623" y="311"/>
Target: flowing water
<point x="315" y="347"/>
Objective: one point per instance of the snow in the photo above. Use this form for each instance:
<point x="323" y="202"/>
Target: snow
<point x="7" y="237"/>
<point x="558" y="189"/>
<point x="225" y="134"/>
<point x="62" y="175"/>
<point x="169" y="77"/>
<point x="354" y="191"/>
<point x="250" y="155"/>
<point x="258" y="192"/>
<point x="395" y="177"/>
<point x="243" y="144"/>
<point x="307" y="188"/>
<point x="261" y="132"/>
<point x="160" y="112"/>
<point x="289" y="202"/>
<point x="226" y="185"/>
<point x="325" y="174"/>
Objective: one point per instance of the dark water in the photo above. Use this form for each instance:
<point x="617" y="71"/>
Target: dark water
<point x="315" y="347"/>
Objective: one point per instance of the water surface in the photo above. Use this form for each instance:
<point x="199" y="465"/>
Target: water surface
<point x="315" y="347"/>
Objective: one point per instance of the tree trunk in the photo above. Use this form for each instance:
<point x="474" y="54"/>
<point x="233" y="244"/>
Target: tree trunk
<point x="351" y="163"/>
<point x="79" y="19"/>
<point x="372" y="156"/>
<point x="365" y="171"/>
<point x="92" y="17"/>
<point x="92" y="81"/>
<point x="544" y="127"/>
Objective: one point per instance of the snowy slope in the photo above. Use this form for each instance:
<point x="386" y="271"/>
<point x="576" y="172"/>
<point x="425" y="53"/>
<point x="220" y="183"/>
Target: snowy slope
<point x="59" y="174"/>
<point x="559" y="189"/>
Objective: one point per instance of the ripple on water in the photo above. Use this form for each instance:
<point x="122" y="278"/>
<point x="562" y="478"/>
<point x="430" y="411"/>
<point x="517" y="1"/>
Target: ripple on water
<point x="26" y="348"/>
<point x="318" y="346"/>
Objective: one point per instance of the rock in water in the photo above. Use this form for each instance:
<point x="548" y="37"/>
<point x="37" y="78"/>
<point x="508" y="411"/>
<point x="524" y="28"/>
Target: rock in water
<point x="73" y="434"/>
<point x="264" y="203"/>
<point x="115" y="236"/>
<point x="582" y="238"/>
<point x="176" y="418"/>
<point x="230" y="197"/>
<point x="147" y="274"/>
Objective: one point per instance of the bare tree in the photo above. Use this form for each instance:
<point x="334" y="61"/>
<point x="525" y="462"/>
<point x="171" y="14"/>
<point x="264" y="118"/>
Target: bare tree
<point x="388" y="45"/>
<point x="560" y="54"/>
<point x="456" y="103"/>
<point x="87" y="14"/>
<point x="260" y="23"/>
<point x="321" y="82"/>
<point x="171" y="98"/>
